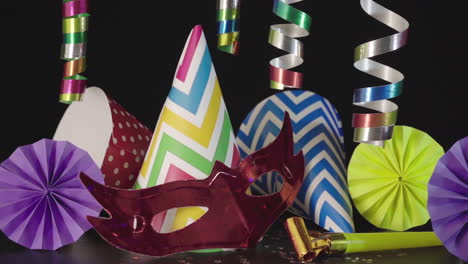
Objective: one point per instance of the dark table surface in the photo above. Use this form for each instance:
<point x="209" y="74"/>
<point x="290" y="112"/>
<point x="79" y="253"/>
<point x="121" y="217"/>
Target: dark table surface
<point x="275" y="248"/>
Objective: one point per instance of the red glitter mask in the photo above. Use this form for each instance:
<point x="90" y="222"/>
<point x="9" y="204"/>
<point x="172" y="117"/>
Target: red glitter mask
<point x="234" y="219"/>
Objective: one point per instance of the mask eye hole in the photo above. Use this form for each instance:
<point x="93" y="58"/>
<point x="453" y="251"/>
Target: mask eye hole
<point x="177" y="218"/>
<point x="268" y="184"/>
<point x="138" y="224"/>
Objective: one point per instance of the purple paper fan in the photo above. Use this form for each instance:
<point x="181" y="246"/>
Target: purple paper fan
<point x="448" y="199"/>
<point x="43" y="204"/>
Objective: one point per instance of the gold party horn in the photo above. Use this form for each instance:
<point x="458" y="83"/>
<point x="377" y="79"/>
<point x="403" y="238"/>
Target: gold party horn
<point x="310" y="244"/>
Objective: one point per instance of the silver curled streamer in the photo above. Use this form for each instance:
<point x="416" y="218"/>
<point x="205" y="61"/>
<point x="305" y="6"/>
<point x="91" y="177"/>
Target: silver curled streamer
<point x="376" y="127"/>
<point x="73" y="50"/>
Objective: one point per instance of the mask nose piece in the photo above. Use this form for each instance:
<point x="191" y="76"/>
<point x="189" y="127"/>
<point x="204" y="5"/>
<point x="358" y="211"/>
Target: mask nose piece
<point x="138" y="224"/>
<point x="286" y="172"/>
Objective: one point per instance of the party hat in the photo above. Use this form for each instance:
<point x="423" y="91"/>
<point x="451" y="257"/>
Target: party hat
<point x="317" y="128"/>
<point x="113" y="137"/>
<point x="193" y="131"/>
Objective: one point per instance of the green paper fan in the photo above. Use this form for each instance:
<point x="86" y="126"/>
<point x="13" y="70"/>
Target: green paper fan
<point x="389" y="185"/>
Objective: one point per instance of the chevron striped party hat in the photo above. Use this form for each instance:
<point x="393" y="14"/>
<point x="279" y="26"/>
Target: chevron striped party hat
<point x="324" y="196"/>
<point x="193" y="131"/>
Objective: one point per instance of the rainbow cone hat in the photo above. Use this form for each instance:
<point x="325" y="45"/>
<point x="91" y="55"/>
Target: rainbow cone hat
<point x="193" y="131"/>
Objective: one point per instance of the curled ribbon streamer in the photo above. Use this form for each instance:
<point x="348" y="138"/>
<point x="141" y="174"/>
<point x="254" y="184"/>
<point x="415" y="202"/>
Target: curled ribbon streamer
<point x="375" y="128"/>
<point x="75" y="27"/>
<point x="283" y="36"/>
<point x="228" y="25"/>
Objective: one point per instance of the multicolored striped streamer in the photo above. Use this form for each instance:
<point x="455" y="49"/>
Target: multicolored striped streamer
<point x="375" y="128"/>
<point x="228" y="25"/>
<point x="283" y="36"/>
<point x="75" y="27"/>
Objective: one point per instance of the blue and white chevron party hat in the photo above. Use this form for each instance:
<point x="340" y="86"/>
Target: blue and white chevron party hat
<point x="324" y="196"/>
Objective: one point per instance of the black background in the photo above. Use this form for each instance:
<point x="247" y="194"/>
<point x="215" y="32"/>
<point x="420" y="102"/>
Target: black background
<point x="134" y="47"/>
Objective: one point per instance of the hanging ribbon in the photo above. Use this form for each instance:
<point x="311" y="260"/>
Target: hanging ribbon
<point x="283" y="36"/>
<point x="75" y="26"/>
<point x="375" y="128"/>
<point x="228" y="25"/>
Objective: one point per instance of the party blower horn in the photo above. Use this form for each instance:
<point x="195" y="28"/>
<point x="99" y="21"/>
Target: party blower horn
<point x="114" y="138"/>
<point x="192" y="133"/>
<point x="310" y="244"/>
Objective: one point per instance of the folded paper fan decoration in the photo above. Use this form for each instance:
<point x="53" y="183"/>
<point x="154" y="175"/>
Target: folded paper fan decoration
<point x="113" y="137"/>
<point x="192" y="133"/>
<point x="317" y="128"/>
<point x="43" y="204"/>
<point x="389" y="185"/>
<point x="448" y="199"/>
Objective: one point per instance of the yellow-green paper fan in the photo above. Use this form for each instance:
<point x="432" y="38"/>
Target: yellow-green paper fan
<point x="389" y="185"/>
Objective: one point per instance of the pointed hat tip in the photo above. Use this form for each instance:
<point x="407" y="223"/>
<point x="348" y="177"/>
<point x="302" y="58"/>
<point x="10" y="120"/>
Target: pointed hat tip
<point x="196" y="36"/>
<point x="197" y="28"/>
